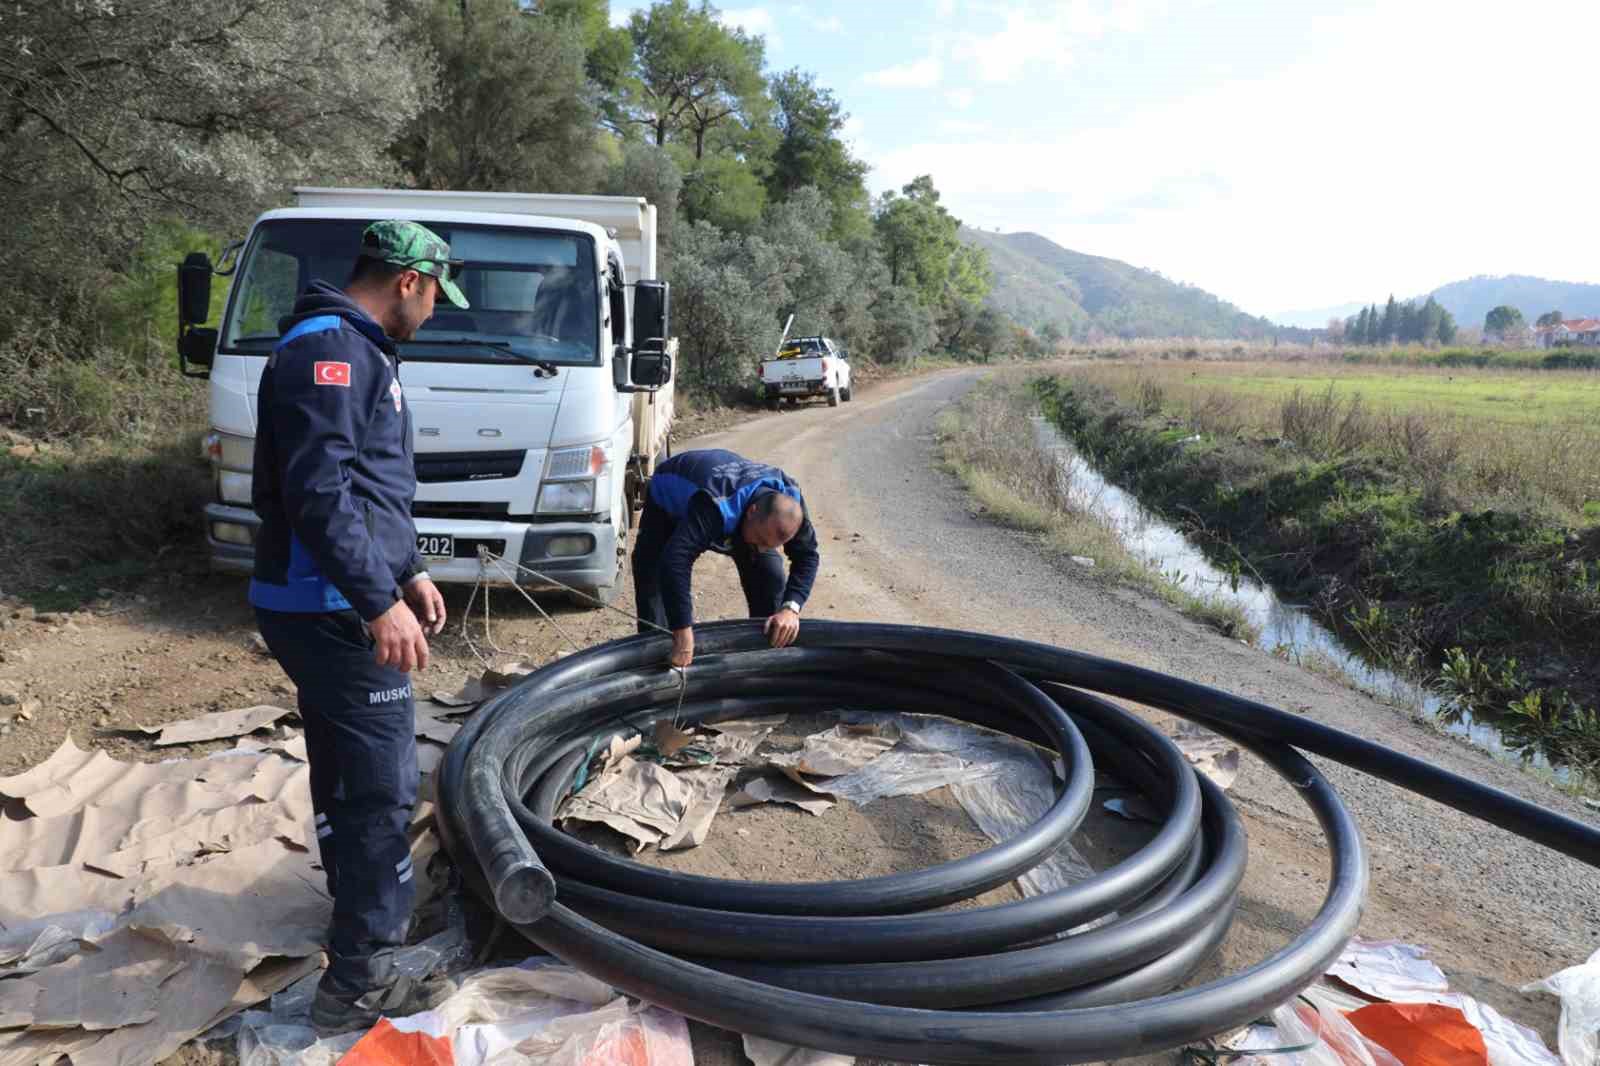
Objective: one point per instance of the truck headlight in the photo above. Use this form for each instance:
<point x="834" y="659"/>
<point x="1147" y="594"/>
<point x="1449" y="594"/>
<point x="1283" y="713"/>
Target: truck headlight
<point x="569" y="479"/>
<point x="567" y="497"/>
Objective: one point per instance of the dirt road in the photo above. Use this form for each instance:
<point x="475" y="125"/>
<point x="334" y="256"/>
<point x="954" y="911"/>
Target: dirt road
<point x="900" y="544"/>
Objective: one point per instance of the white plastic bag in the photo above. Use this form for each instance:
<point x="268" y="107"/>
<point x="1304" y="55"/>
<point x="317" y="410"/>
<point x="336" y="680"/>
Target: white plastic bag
<point x="1579" y="989"/>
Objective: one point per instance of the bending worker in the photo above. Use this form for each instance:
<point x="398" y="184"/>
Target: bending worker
<point x="338" y="589"/>
<point x="714" y="499"/>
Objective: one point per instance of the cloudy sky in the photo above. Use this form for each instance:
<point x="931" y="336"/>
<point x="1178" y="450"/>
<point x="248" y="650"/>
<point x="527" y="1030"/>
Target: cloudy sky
<point x="1283" y="154"/>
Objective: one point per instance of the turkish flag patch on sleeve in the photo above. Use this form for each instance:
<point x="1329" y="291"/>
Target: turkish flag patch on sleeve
<point x="331" y="374"/>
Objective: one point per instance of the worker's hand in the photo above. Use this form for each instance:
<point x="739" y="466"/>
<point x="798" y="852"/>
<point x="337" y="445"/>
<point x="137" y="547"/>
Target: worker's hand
<point x="682" y="647"/>
<point x="427" y="603"/>
<point x="400" y="640"/>
<point x="782" y="628"/>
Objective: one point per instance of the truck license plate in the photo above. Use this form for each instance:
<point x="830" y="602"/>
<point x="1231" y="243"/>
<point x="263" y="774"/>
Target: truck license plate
<point x="794" y="386"/>
<point x="436" y="546"/>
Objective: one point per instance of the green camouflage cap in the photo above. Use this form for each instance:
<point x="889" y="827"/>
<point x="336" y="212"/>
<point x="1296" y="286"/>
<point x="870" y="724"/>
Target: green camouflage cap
<point x="415" y="247"/>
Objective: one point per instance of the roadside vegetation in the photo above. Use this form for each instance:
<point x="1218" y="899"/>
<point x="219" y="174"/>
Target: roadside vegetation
<point x="125" y="119"/>
<point x="989" y="441"/>
<point x="1448" y="523"/>
<point x="1336" y="353"/>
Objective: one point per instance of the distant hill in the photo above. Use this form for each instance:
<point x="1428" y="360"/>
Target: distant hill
<point x="1037" y="281"/>
<point x="1473" y="298"/>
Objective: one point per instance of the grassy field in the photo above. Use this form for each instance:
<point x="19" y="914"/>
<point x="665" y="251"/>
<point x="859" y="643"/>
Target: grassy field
<point x="1327" y="354"/>
<point x="1446" y="521"/>
<point x="1515" y="398"/>
<point x="1472" y="439"/>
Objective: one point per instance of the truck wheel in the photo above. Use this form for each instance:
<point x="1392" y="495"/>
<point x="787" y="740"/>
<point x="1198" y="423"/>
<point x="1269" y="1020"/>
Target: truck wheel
<point x="833" y="396"/>
<point x="772" y="401"/>
<point x="844" y="394"/>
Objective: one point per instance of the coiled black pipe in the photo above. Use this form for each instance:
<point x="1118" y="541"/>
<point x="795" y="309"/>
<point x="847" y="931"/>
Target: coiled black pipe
<point x="865" y="967"/>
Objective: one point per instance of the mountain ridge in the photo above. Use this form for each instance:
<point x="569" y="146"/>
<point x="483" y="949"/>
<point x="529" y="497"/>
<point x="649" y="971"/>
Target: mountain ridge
<point x="1037" y="281"/>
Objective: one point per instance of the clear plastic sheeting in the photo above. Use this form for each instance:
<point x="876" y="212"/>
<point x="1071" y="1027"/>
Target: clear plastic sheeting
<point x="1579" y="989"/>
<point x="1389" y="969"/>
<point x="1003" y="784"/>
<point x="1508" y="1043"/>
<point x="43" y="942"/>
<point x="537" y="1014"/>
<point x="1332" y="1040"/>
<point x="1397" y="972"/>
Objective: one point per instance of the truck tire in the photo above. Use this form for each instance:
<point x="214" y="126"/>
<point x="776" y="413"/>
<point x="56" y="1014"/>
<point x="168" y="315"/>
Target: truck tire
<point x="833" y="396"/>
<point x="772" y="401"/>
<point x="844" y="394"/>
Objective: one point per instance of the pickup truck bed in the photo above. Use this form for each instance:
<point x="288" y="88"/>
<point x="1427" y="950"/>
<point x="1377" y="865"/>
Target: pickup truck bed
<point x="803" y="374"/>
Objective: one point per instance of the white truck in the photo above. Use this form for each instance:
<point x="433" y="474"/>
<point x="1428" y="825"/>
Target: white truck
<point x="806" y="366"/>
<point x="539" y="414"/>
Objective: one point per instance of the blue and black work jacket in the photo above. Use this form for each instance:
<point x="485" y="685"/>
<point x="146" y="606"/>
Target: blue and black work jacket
<point x="707" y="492"/>
<point x="334" y="475"/>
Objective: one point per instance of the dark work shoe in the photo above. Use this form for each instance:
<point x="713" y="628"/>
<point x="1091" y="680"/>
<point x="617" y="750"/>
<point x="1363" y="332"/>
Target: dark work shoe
<point x="335" y="1012"/>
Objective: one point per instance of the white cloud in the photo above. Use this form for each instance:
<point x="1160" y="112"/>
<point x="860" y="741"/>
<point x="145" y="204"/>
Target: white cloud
<point x="1047" y="34"/>
<point x="921" y="74"/>
<point x="621" y="11"/>
<point x="943" y="9"/>
<point x="753" y="20"/>
<point x="1250" y="189"/>
<point x="960" y="99"/>
<point x="962" y="127"/>
<point x="829" y="24"/>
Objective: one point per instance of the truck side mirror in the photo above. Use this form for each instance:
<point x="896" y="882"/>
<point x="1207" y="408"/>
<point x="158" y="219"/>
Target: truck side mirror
<point x="651" y="324"/>
<point x="194" y="289"/>
<point x="197" y="346"/>
<point x="651" y="370"/>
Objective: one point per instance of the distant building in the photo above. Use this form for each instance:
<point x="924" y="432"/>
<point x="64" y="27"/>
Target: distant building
<point x="1575" y="332"/>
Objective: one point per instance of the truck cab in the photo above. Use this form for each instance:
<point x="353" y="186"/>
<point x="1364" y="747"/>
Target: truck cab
<point x="539" y="413"/>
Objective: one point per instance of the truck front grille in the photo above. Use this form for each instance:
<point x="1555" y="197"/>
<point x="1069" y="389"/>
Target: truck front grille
<point x="486" y="512"/>
<point x="435" y="467"/>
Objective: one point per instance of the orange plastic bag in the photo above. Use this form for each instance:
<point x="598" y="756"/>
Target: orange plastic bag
<point x="384" y="1045"/>
<point x="1422" y="1034"/>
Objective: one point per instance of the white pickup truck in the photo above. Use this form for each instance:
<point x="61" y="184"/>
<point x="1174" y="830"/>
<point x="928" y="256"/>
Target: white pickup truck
<point x="806" y="366"/>
<point x="539" y="413"/>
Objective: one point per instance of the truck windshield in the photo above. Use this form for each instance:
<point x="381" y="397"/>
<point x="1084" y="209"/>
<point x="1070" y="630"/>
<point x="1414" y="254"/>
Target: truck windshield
<point x="534" y="293"/>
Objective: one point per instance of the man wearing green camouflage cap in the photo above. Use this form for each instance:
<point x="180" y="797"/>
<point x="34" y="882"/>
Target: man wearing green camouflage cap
<point x="408" y="245"/>
<point x="339" y="589"/>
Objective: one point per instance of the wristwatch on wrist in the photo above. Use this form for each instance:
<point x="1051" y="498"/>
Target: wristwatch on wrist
<point x="790" y="605"/>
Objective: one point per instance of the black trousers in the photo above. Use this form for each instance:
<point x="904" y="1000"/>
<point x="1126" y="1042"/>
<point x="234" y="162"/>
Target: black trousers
<point x="762" y="574"/>
<point x="361" y="741"/>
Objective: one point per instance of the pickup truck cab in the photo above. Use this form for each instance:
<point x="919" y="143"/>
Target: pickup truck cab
<point x="804" y="367"/>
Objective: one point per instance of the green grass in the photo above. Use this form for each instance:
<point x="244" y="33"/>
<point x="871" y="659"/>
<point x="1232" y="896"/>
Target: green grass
<point x="1415" y="535"/>
<point x="1473" y="440"/>
<point x="1512" y="398"/>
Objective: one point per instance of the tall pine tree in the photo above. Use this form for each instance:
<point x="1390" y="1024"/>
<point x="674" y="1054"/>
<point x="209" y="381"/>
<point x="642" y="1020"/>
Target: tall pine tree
<point x="1391" y="321"/>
